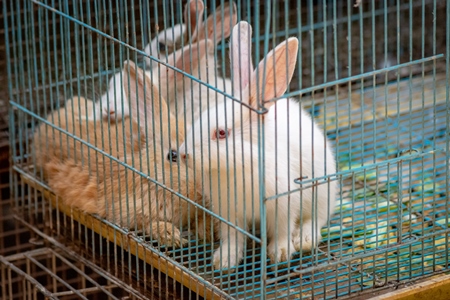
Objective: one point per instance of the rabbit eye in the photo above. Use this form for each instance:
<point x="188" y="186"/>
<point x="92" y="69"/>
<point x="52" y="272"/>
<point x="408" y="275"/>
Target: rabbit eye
<point x="221" y="133"/>
<point x="172" y="156"/>
<point x="162" y="47"/>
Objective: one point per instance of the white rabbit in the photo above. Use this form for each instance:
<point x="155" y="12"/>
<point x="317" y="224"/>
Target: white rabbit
<point x="222" y="147"/>
<point x="167" y="41"/>
<point x="114" y="103"/>
<point x="188" y="98"/>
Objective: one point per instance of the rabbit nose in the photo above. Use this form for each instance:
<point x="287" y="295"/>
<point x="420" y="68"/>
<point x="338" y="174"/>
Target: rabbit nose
<point x="172" y="156"/>
<point x="184" y="156"/>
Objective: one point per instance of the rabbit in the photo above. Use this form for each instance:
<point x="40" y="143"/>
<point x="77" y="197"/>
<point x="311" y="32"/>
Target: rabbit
<point x="227" y="137"/>
<point x="114" y="103"/>
<point x="109" y="189"/>
<point x="188" y="98"/>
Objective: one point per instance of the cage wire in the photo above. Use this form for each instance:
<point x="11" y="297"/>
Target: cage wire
<point x="33" y="268"/>
<point x="117" y="119"/>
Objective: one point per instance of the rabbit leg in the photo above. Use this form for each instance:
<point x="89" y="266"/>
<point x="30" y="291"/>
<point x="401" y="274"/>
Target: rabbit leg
<point x="306" y="236"/>
<point x="167" y="234"/>
<point x="231" y="250"/>
<point x="279" y="229"/>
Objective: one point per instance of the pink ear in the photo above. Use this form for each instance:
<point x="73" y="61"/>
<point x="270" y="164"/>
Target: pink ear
<point x="241" y="56"/>
<point x="280" y="64"/>
<point x="224" y="16"/>
<point x="193" y="13"/>
<point x="190" y="57"/>
<point x="137" y="85"/>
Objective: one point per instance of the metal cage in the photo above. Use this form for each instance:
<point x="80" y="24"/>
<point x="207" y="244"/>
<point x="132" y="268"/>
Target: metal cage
<point x="155" y="152"/>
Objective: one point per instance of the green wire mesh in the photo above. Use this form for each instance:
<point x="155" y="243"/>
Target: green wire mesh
<point x="374" y="76"/>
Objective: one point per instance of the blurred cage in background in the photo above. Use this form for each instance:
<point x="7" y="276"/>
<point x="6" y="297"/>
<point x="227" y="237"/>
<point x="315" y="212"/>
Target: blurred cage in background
<point x="374" y="76"/>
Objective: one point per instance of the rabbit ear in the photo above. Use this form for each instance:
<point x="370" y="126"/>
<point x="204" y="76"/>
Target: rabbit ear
<point x="193" y="13"/>
<point x="152" y="110"/>
<point x="280" y="64"/>
<point x="241" y="56"/>
<point x="189" y="59"/>
<point x="224" y="16"/>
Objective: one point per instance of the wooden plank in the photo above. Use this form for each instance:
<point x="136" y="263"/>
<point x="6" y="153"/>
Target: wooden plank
<point x="436" y="288"/>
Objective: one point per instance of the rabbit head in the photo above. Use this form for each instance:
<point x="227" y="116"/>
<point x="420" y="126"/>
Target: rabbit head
<point x="233" y="124"/>
<point x="215" y="28"/>
<point x="113" y="103"/>
<point x="165" y="42"/>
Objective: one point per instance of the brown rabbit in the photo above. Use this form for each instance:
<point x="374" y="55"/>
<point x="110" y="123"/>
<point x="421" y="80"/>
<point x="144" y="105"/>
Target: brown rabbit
<point x="130" y="198"/>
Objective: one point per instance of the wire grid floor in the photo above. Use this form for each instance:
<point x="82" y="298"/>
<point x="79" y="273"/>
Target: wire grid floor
<point x="49" y="273"/>
<point x="29" y="268"/>
<point x="391" y="221"/>
<point x="32" y="270"/>
<point x="391" y="224"/>
<point x="65" y="266"/>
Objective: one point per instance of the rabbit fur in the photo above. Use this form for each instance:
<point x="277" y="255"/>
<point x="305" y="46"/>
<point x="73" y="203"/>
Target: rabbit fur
<point x="190" y="98"/>
<point x="222" y="146"/>
<point x="114" y="104"/>
<point x="171" y="39"/>
<point x="90" y="181"/>
<point x="186" y="98"/>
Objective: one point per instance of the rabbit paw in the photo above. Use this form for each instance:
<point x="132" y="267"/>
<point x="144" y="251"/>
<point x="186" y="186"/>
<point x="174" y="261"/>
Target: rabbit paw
<point x="226" y="257"/>
<point x="169" y="235"/>
<point x="303" y="240"/>
<point x="280" y="250"/>
<point x="178" y="241"/>
<point x="174" y="241"/>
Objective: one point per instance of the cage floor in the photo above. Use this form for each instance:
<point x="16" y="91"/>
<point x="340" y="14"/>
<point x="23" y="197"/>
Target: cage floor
<point x="393" y="211"/>
<point x="391" y="223"/>
<point x="46" y="273"/>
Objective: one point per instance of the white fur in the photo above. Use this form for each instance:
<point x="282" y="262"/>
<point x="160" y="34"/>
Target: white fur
<point x="114" y="103"/>
<point x="232" y="163"/>
<point x="187" y="98"/>
<point x="170" y="38"/>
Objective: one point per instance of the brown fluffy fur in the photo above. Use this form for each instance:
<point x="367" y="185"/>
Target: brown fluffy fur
<point x="94" y="183"/>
